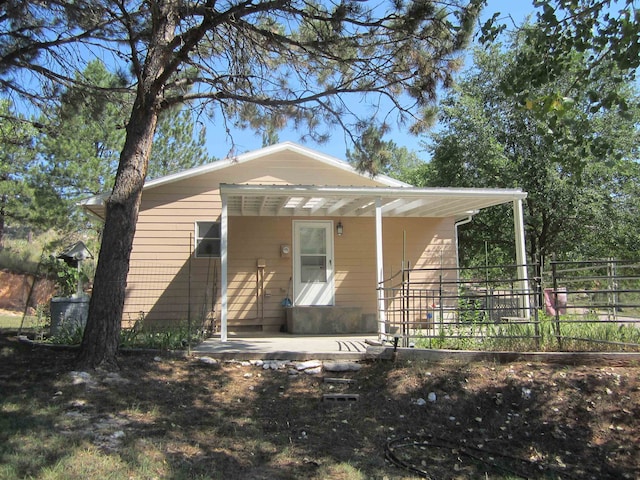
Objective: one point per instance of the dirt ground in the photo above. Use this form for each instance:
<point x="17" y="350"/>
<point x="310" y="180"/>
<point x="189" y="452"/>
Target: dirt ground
<point x="394" y="420"/>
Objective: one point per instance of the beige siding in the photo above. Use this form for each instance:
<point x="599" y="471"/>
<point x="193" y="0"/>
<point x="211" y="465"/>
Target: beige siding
<point x="257" y="293"/>
<point x="429" y="245"/>
<point x="288" y="168"/>
<point x="168" y="284"/>
<point x="428" y="242"/>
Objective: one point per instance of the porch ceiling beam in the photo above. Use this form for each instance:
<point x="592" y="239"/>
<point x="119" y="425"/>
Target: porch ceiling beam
<point x="263" y="204"/>
<point x="404" y="207"/>
<point x="438" y="209"/>
<point x="243" y="204"/>
<point x="298" y="209"/>
<point x="377" y="203"/>
<point x="316" y="208"/>
<point x="280" y="208"/>
<point x="427" y="208"/>
<point x="455" y="205"/>
<point x="357" y="204"/>
<point x="337" y="206"/>
<point x="442" y="208"/>
<point x="297" y="212"/>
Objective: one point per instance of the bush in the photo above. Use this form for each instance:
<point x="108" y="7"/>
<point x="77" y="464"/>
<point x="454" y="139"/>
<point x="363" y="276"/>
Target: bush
<point x="175" y="337"/>
<point x="65" y="276"/>
<point x="67" y="335"/>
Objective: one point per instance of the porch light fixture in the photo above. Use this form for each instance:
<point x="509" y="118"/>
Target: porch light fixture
<point x="339" y="229"/>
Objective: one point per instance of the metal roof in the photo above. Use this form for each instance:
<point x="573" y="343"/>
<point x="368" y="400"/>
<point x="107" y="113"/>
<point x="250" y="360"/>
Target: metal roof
<point x="316" y="201"/>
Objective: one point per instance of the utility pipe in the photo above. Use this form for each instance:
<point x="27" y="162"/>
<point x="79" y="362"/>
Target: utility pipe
<point x="456" y="225"/>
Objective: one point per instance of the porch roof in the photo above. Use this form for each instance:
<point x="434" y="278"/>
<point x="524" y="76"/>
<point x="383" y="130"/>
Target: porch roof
<point x="315" y="201"/>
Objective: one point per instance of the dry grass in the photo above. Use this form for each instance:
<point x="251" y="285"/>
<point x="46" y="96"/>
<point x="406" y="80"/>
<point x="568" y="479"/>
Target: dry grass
<point x="11" y="320"/>
<point x="182" y="419"/>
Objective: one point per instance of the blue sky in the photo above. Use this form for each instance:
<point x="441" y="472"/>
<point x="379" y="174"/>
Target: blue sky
<point x="219" y="146"/>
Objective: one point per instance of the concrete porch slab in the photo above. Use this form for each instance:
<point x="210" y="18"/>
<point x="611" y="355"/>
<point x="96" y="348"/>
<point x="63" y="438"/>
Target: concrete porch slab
<point x="286" y="347"/>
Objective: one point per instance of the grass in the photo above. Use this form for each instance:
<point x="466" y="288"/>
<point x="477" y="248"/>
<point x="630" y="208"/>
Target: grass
<point x="141" y="336"/>
<point x="576" y="334"/>
<point x="18" y="258"/>
<point x="173" y="337"/>
<point x="12" y="322"/>
<point x="23" y="255"/>
<point x="177" y="418"/>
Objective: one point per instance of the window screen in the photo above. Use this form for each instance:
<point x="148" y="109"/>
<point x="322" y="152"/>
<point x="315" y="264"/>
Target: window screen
<point x="207" y="239"/>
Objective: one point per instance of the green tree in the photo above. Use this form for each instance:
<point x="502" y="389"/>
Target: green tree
<point x="16" y="158"/>
<point x="80" y="144"/>
<point x="176" y="144"/>
<point x="377" y="156"/>
<point x="575" y="186"/>
<point x="606" y="33"/>
<point x="268" y="63"/>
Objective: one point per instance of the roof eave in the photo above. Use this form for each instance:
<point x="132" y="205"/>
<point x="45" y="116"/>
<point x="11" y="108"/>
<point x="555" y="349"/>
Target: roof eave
<point x="385" y="192"/>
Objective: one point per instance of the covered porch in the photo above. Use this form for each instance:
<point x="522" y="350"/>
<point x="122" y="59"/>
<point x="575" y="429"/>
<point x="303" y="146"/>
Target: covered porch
<point x="331" y="206"/>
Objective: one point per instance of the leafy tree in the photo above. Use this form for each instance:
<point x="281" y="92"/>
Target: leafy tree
<point x="267" y="63"/>
<point x="16" y="158"/>
<point x="578" y="188"/>
<point x="606" y="33"/>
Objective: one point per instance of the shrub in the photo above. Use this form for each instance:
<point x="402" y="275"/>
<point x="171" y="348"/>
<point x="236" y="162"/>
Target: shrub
<point x="174" y="337"/>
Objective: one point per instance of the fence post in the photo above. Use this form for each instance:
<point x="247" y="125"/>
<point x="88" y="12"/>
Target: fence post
<point x="189" y="296"/>
<point x="612" y="296"/>
<point x="440" y="306"/>
<point x="554" y="274"/>
<point x="536" y="308"/>
<point x="406" y="284"/>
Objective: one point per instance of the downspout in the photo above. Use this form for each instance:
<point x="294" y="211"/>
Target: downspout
<point x="456" y="225"/>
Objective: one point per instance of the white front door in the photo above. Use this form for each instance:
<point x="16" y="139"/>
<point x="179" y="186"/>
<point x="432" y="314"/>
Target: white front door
<point x="313" y="281"/>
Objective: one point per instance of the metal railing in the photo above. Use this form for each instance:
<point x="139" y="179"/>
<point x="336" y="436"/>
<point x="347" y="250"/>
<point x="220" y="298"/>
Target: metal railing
<point x="596" y="302"/>
<point x="576" y="306"/>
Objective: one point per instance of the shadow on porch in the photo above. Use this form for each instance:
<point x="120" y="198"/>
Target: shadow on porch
<point x="283" y="346"/>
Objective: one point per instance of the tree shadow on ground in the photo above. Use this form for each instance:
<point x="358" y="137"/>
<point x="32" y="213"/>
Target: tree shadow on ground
<point x="168" y="417"/>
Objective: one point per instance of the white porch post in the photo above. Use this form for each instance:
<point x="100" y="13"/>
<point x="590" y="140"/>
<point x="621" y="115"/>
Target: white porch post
<point x="382" y="317"/>
<point x="223" y="268"/>
<point x="521" y="256"/>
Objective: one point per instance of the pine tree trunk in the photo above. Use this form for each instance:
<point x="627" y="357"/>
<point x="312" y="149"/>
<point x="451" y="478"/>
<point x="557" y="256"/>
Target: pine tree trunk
<point x="101" y="339"/>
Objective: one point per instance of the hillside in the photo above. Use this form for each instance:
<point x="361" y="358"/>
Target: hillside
<point x="18" y="288"/>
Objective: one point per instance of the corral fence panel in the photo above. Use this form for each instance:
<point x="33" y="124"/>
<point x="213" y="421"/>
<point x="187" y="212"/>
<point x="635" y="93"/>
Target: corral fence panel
<point x="592" y="305"/>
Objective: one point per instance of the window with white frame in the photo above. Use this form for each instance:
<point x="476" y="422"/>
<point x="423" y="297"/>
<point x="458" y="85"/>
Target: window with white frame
<point x="207" y="239"/>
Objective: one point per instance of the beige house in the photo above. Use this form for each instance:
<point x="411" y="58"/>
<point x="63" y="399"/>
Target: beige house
<point x="237" y="242"/>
